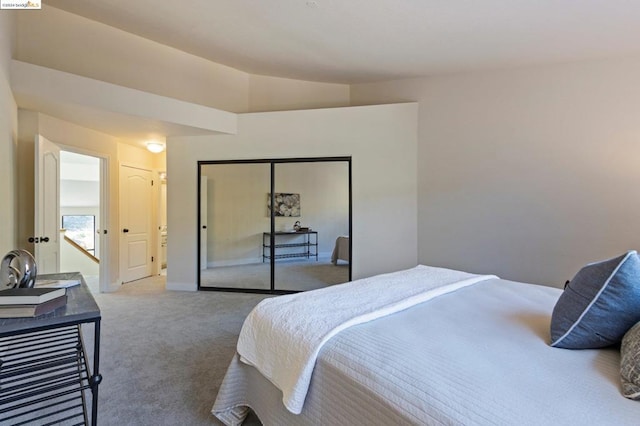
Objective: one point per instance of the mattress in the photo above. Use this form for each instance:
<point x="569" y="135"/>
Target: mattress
<point x="479" y="355"/>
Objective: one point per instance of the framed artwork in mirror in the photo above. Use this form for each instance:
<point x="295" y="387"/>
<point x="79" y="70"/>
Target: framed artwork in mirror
<point x="286" y="204"/>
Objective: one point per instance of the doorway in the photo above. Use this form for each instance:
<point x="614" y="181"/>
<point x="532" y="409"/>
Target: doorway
<point x="80" y="218"/>
<point x="136" y="219"/>
<point x="71" y="212"/>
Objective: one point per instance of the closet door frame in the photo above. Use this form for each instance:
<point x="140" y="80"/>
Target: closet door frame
<point x="272" y="162"/>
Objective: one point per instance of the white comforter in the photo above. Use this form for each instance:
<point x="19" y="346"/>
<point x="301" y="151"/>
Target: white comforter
<point x="282" y="336"/>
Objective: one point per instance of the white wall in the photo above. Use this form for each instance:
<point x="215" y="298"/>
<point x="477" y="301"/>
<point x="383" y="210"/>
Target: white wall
<point x="527" y="173"/>
<point x="79" y="193"/>
<point x="72" y="260"/>
<point x="8" y="138"/>
<point x="238" y="214"/>
<point x="382" y="142"/>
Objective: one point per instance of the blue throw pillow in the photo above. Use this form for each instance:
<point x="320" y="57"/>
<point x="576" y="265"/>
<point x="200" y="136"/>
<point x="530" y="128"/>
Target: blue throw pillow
<point x="599" y="305"/>
<point x="630" y="363"/>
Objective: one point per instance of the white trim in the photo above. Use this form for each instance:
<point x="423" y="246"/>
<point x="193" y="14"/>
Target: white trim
<point x="105" y="239"/>
<point x="104" y="270"/>
<point x="134" y="165"/>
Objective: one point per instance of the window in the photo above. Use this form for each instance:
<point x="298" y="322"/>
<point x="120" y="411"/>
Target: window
<point x="82" y="230"/>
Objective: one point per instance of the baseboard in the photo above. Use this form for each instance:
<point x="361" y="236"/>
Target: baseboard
<point x="113" y="287"/>
<point x="235" y="262"/>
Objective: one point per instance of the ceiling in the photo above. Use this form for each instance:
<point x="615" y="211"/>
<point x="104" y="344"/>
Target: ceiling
<point x="352" y="41"/>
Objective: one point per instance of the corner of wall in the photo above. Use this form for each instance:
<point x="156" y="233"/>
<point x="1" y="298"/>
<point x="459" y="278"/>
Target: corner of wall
<point x="28" y="122"/>
<point x="8" y="137"/>
<point x="8" y="169"/>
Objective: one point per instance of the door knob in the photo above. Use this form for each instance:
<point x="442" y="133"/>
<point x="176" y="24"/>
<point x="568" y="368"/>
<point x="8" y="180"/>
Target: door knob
<point x="125" y="230"/>
<point x="44" y="239"/>
<point x="204" y="227"/>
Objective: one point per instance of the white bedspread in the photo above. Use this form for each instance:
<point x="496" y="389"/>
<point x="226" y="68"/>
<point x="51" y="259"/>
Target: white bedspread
<point x="282" y="336"/>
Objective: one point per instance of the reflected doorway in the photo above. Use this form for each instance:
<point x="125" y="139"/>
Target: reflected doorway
<point x="303" y="243"/>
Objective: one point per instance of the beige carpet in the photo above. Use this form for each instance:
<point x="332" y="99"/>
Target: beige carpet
<point x="293" y="275"/>
<point x="164" y="353"/>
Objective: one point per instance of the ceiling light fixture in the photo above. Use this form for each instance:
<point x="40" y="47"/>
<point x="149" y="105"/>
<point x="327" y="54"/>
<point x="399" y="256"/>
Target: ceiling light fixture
<point x="155" y="147"/>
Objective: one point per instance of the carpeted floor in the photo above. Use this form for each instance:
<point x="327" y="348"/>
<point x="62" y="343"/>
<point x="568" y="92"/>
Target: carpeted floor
<point x="293" y="275"/>
<point x="164" y="353"/>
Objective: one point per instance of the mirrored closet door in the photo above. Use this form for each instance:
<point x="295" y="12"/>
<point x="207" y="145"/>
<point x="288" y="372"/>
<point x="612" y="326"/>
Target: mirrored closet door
<point x="302" y="243"/>
<point x="233" y="215"/>
<point x="316" y="194"/>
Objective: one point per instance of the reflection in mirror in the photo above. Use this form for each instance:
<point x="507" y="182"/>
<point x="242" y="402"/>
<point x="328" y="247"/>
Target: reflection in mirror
<point x="233" y="218"/>
<point x="306" y="242"/>
<point x="311" y="218"/>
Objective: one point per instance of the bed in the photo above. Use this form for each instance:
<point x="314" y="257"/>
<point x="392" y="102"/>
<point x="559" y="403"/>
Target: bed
<point x="475" y="354"/>
<point x="340" y="250"/>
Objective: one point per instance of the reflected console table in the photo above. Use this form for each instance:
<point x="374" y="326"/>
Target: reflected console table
<point x="289" y="245"/>
<point x="45" y="375"/>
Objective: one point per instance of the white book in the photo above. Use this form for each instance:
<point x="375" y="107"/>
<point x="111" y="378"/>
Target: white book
<point x="44" y="283"/>
<point x="29" y="296"/>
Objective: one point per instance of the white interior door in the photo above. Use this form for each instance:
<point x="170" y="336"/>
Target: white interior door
<point x="135" y="223"/>
<point x="203" y="222"/>
<point x="47" y="206"/>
